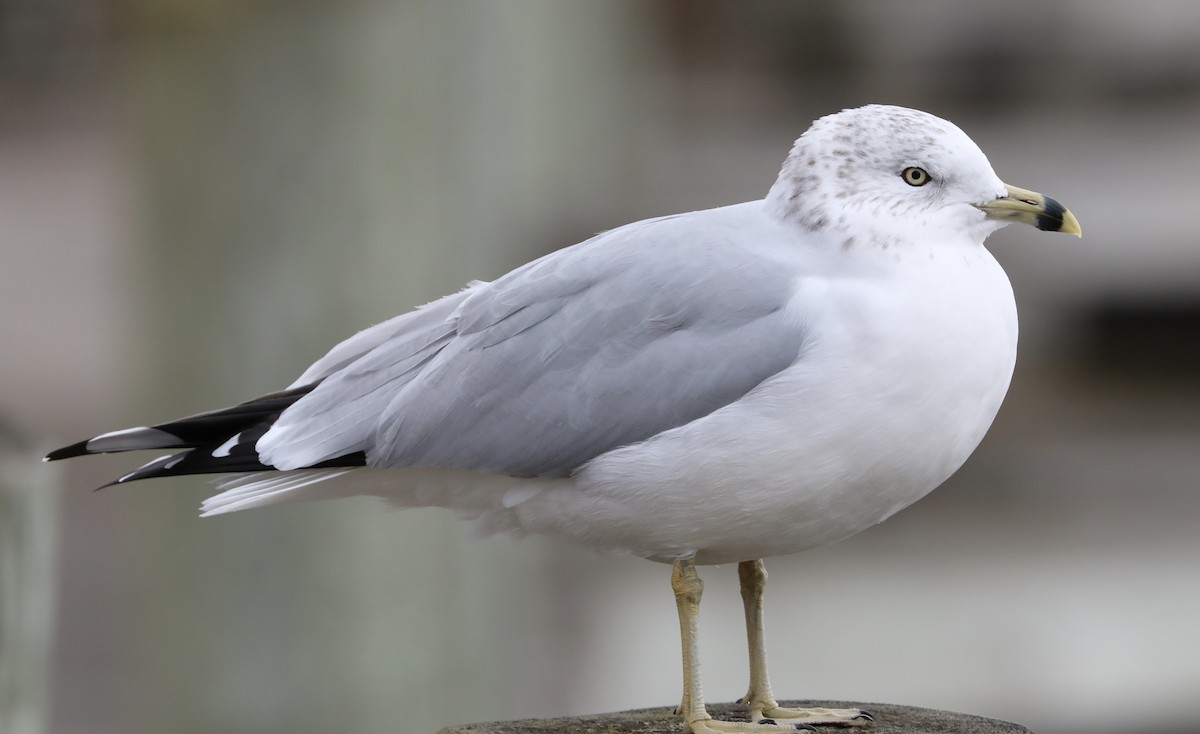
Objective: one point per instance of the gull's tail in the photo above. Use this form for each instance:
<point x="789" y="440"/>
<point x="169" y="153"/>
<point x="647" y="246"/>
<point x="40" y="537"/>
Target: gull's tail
<point x="220" y="441"/>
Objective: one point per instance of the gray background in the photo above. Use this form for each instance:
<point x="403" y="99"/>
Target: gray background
<point x="198" y="198"/>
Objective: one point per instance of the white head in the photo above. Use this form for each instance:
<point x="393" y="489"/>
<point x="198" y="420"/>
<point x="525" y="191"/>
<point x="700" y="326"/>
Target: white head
<point x="890" y="173"/>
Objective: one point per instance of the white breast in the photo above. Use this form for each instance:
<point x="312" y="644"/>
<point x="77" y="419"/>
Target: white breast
<point x="902" y="376"/>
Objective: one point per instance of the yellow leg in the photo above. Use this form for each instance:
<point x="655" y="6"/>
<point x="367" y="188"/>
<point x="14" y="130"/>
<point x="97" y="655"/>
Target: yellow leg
<point x="753" y="578"/>
<point x="760" y="699"/>
<point x="688" y="589"/>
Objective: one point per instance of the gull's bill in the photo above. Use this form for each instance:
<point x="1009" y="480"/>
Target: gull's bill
<point x="1030" y="207"/>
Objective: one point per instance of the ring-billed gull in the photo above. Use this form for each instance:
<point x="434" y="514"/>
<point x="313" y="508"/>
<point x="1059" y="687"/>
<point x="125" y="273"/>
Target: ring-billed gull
<point x="711" y="387"/>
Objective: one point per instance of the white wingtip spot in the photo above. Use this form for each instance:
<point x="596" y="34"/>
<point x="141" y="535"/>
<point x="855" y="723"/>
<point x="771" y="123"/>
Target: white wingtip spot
<point x="147" y="465"/>
<point x="129" y="439"/>
<point x="223" y="450"/>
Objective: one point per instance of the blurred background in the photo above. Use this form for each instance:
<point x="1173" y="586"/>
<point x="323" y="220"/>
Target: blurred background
<point x="198" y="198"/>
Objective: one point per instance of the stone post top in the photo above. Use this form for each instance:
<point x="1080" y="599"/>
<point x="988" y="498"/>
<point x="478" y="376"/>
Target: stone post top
<point x="889" y="719"/>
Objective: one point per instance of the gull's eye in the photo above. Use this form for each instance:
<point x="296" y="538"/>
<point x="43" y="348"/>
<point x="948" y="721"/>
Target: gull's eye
<point x="914" y="176"/>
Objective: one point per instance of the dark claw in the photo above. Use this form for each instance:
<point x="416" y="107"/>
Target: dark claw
<point x="767" y="721"/>
<point x="807" y="727"/>
<point x="865" y="715"/>
<point x="740" y="700"/>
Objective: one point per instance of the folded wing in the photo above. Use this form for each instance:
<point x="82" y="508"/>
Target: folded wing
<point x="605" y="344"/>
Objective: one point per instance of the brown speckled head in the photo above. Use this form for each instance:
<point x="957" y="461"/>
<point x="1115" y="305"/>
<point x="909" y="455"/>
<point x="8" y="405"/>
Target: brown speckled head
<point x="846" y="177"/>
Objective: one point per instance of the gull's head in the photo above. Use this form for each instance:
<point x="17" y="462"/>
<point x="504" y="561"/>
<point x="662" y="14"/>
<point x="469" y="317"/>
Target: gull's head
<point x="892" y="174"/>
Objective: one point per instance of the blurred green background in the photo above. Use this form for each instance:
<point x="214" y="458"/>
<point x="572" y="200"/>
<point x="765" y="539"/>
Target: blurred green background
<point x="198" y="198"/>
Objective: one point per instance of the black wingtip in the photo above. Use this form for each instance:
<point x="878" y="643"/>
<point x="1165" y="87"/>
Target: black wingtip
<point x="213" y="427"/>
<point x="132" y="476"/>
<point x="68" y="452"/>
<point x="220" y="442"/>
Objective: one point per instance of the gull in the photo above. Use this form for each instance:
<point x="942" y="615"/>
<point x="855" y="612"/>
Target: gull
<point x="713" y="387"/>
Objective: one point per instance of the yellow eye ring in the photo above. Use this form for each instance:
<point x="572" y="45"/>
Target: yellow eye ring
<point x="914" y="176"/>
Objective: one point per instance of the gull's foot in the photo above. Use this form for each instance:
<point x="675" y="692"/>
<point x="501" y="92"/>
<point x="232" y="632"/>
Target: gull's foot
<point x="763" y="726"/>
<point x="806" y="718"/>
<point x="780" y="720"/>
<point x="838" y="717"/>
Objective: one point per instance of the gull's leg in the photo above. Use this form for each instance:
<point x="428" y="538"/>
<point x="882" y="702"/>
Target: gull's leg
<point x="688" y="588"/>
<point x="760" y="699"/>
<point x="752" y="576"/>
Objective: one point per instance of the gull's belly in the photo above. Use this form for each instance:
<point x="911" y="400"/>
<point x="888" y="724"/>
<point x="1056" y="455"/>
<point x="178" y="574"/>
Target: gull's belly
<point x="889" y="398"/>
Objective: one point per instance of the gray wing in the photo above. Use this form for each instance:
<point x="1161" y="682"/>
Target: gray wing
<point x="406" y="327"/>
<point x="597" y="346"/>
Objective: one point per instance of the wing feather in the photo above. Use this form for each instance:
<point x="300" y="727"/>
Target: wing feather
<point x="413" y="323"/>
<point x="635" y="332"/>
